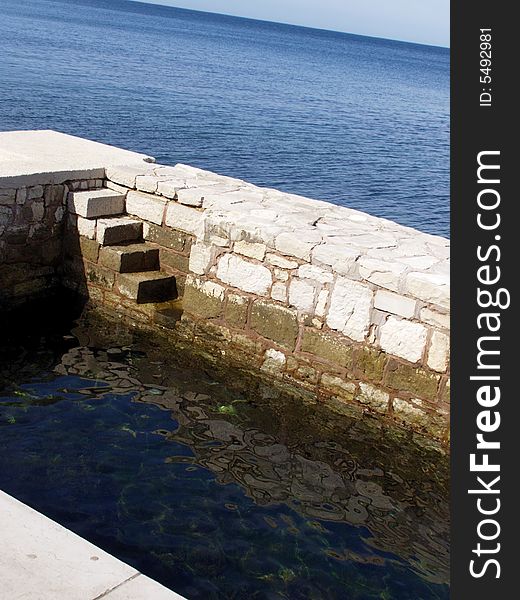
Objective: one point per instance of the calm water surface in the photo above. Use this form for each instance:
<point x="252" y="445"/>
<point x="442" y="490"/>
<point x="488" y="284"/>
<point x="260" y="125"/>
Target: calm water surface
<point x="219" y="490"/>
<point x="358" y="121"/>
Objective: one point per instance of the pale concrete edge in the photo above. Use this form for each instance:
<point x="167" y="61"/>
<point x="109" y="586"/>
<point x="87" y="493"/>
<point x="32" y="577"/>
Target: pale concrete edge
<point x="132" y="585"/>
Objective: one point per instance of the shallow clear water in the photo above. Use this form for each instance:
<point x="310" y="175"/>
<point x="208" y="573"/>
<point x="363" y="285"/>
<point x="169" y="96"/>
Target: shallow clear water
<point x="359" y="121"/>
<point x="218" y="489"/>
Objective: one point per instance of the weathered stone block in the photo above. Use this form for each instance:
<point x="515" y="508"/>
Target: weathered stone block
<point x="144" y="288"/>
<point x="349" y="310"/>
<point x="167" y="237"/>
<point x="244" y="275"/>
<point x="328" y="347"/>
<point x="236" y="310"/>
<point x="129" y="259"/>
<point x="274" y="361"/>
<point x="203" y="298"/>
<point x="275" y="322"/>
<point x="100" y="276"/>
<point x="7" y="197"/>
<point x="403" y="338"/>
<point x="410" y="414"/>
<point x="115" y="231"/>
<point x="369" y="363"/>
<point x="89" y="249"/>
<point x="172" y="259"/>
<point x="338" y="385"/>
<point x="146" y="206"/>
<point x="412" y="380"/>
<point x="34" y="192"/>
<point x="373" y="397"/>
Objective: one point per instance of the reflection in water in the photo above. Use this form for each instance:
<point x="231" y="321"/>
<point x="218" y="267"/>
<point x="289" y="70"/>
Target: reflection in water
<point x="218" y="490"/>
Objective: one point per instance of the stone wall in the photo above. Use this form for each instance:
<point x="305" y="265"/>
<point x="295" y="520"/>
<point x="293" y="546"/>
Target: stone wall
<point x="353" y="307"/>
<point x="350" y="307"/>
<point x="31" y="235"/>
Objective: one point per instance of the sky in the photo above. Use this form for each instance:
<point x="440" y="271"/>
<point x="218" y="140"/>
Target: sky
<point x="421" y="21"/>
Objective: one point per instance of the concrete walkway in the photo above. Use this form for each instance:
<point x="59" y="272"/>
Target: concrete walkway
<point x="41" y="560"/>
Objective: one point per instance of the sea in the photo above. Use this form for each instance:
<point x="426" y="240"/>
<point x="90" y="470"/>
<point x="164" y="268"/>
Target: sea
<point x="358" y="121"/>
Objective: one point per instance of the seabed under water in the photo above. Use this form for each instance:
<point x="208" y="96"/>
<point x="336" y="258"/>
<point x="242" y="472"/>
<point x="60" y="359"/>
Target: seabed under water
<point x="216" y="486"/>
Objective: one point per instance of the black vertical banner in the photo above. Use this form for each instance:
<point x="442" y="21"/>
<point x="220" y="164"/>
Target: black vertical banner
<point x="485" y="249"/>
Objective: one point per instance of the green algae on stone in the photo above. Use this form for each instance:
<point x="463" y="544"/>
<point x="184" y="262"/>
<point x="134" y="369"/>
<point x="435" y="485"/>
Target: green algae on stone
<point x="416" y="381"/>
<point x="328" y="347"/>
<point x="275" y="322"/>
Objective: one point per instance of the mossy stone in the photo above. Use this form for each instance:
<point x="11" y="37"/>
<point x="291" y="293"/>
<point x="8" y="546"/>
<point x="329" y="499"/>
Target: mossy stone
<point x="406" y="378"/>
<point x="275" y="322"/>
<point x="328" y="347"/>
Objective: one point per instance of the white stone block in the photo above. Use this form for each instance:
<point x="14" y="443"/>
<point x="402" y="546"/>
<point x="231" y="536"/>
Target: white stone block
<point x="146" y="207"/>
<point x="279" y="292"/>
<point x="403" y="338"/>
<point x="349" y="310"/>
<point x="316" y="273"/>
<point x="432" y="317"/>
<point x="430" y="287"/>
<point x="147" y="183"/>
<point x="126" y="174"/>
<point x="301" y="295"/>
<point x="395" y="303"/>
<point x="383" y="273"/>
<point x="201" y="257"/>
<point x="339" y="257"/>
<point x="185" y="218"/>
<point x="280" y="261"/>
<point x="439" y="352"/>
<point x="86" y="227"/>
<point x="298" y="244"/>
<point x="281" y="275"/>
<point x="244" y="275"/>
<point x="170" y="187"/>
<point x="252" y="250"/>
<point x="321" y="305"/>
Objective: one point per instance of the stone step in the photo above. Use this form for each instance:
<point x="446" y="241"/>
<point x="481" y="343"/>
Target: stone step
<point x="119" y="230"/>
<point x="96" y="203"/>
<point x="151" y="286"/>
<point x="131" y="258"/>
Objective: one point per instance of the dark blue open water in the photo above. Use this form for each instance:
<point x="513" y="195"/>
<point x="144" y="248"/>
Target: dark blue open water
<point x="359" y="121"/>
<point x="221" y="489"/>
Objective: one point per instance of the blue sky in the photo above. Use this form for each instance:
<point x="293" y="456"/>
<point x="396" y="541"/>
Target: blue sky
<point x="422" y="21"/>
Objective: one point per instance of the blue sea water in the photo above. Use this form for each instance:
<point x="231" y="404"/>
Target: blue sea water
<point x="218" y="488"/>
<point x="361" y="122"/>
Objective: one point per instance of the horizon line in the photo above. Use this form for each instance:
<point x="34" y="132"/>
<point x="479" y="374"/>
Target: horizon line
<point x="207" y="12"/>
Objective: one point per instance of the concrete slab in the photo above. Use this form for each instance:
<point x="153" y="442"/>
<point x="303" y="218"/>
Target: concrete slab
<point x="42" y="157"/>
<point x="41" y="560"/>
